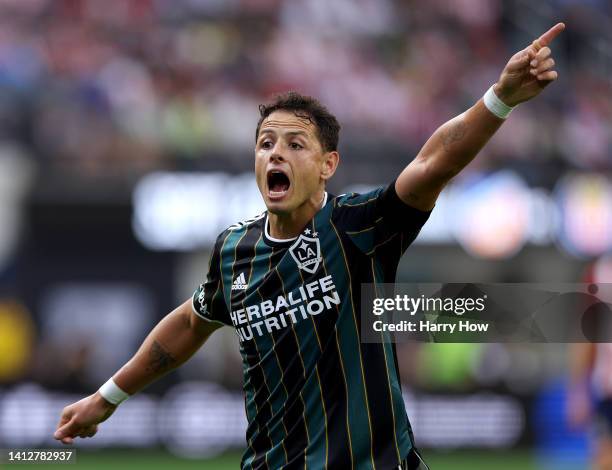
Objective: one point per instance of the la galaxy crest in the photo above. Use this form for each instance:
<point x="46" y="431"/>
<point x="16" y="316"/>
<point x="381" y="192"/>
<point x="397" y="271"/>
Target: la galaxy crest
<point x="306" y="252"/>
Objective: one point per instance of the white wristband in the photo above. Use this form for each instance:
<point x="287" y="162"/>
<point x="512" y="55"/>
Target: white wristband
<point x="112" y="393"/>
<point x="495" y="105"/>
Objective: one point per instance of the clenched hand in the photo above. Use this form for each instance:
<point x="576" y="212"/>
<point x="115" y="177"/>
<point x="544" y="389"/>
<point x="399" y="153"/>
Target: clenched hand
<point x="81" y="419"/>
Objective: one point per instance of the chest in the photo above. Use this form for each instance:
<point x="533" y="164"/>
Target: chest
<point x="269" y="289"/>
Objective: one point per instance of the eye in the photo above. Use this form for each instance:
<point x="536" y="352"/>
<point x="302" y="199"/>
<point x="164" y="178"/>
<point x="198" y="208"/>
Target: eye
<point x="295" y="146"/>
<point x="266" y="144"/>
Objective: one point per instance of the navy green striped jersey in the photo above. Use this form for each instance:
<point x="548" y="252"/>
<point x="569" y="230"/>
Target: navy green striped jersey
<point x="315" y="396"/>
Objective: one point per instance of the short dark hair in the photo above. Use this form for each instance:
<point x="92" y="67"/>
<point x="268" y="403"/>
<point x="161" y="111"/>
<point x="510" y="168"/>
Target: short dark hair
<point x="307" y="107"/>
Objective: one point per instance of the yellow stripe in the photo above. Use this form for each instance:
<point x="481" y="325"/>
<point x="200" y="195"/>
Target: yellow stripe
<point x="386" y="369"/>
<point x="229" y="307"/>
<point x="314" y="327"/>
<point x="263" y="372"/>
<point x="317" y="370"/>
<point x="359" y="348"/>
<point x="346" y="204"/>
<point x="355" y="232"/>
<point x="348" y="426"/>
<point x="324" y="417"/>
<point x="250" y="443"/>
<point x="303" y="367"/>
<point x="274" y="349"/>
<point x="380" y="244"/>
<point x="219" y="284"/>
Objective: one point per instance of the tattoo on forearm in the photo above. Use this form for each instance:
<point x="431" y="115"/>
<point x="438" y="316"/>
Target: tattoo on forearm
<point x="159" y="359"/>
<point x="454" y="134"/>
<point x="413" y="197"/>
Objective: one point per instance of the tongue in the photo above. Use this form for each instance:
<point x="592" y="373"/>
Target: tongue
<point x="279" y="186"/>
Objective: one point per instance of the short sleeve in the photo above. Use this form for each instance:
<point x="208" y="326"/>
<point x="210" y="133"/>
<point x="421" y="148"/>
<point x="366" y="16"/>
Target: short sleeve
<point x="372" y="219"/>
<point x="208" y="301"/>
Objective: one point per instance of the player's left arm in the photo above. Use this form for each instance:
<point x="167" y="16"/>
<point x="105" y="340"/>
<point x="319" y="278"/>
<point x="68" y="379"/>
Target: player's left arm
<point x="455" y="144"/>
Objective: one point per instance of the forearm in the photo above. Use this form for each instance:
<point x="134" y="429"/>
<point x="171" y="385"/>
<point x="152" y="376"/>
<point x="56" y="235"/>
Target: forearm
<point x="455" y="144"/>
<point x="451" y="147"/>
<point x="173" y="340"/>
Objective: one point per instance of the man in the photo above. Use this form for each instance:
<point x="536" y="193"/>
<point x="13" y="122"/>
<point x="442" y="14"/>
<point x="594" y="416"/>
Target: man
<point x="289" y="280"/>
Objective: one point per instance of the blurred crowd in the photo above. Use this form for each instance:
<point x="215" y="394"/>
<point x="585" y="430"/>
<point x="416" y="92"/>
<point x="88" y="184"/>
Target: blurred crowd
<point x="125" y="87"/>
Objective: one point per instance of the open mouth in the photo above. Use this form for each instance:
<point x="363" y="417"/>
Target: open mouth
<point x="278" y="184"/>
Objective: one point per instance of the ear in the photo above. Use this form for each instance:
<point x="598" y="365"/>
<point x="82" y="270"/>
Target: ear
<point x="329" y="164"/>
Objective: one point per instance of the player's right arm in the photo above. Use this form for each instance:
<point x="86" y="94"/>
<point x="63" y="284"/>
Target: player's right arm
<point x="173" y="340"/>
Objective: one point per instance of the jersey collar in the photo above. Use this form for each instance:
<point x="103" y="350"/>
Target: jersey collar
<point x="279" y="242"/>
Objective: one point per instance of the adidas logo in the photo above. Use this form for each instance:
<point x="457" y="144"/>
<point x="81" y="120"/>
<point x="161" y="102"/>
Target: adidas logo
<point x="240" y="282"/>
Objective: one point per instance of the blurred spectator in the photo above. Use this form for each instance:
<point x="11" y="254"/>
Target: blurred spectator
<point x="590" y="386"/>
<point x="144" y="85"/>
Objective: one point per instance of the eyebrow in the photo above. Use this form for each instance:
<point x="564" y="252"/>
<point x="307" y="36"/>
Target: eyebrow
<point x="291" y="133"/>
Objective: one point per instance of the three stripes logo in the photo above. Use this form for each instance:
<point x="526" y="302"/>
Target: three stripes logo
<point x="239" y="282"/>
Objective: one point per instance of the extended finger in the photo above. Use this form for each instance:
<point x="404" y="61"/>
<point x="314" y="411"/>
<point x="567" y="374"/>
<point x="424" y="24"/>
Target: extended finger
<point x="543" y="66"/>
<point x="546" y="38"/>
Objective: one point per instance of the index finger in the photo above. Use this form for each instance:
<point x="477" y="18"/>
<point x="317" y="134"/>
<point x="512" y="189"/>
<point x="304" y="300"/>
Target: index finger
<point x="551" y="34"/>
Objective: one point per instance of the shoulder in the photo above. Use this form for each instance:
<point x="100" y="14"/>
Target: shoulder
<point x="245" y="224"/>
<point x="353" y="199"/>
<point x="240" y="227"/>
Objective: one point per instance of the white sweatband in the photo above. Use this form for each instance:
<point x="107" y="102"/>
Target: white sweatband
<point x="112" y="393"/>
<point x="495" y="105"/>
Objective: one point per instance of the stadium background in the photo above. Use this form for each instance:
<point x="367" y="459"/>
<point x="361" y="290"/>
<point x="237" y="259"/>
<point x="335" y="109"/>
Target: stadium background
<point x="126" y="136"/>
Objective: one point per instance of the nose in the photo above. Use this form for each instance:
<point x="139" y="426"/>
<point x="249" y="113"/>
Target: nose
<point x="276" y="156"/>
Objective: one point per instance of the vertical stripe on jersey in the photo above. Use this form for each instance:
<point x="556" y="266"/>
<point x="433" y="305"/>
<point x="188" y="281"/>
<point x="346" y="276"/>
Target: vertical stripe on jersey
<point x="386" y="266"/>
<point x="294" y="377"/>
<point x="256" y="374"/>
<point x="316" y="423"/>
<point x="338" y="431"/>
<point x="352" y="345"/>
<point x="374" y="356"/>
<point x="260" y="269"/>
<point x="250" y="409"/>
<point x="382" y="421"/>
<point x="390" y="373"/>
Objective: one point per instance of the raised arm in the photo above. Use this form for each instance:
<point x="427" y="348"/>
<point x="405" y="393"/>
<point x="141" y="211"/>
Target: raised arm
<point x="455" y="144"/>
<point x="173" y="340"/>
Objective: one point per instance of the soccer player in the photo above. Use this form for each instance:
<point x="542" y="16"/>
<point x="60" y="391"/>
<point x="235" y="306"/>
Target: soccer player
<point x="288" y="281"/>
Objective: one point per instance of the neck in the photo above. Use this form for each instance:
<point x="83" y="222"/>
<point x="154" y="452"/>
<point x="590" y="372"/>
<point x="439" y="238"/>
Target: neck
<point x="284" y="226"/>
